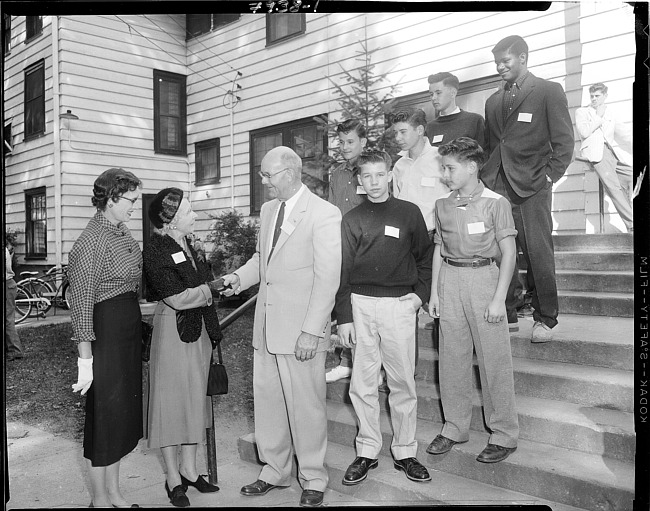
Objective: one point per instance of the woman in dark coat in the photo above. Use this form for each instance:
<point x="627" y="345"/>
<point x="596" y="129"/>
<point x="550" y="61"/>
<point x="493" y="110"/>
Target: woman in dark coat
<point x="179" y="410"/>
<point x="105" y="269"/>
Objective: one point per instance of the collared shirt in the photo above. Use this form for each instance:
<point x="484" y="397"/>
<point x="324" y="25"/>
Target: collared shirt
<point x="510" y="93"/>
<point x="419" y="180"/>
<point x="288" y="207"/>
<point x="104" y="262"/>
<point x="345" y="192"/>
<point x="456" y="111"/>
<point x="469" y="227"/>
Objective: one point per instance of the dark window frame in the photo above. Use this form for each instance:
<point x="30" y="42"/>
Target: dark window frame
<point x="6" y="33"/>
<point x="285" y="130"/>
<point x="7" y="140"/>
<point x="33" y="28"/>
<point x="199" y="177"/>
<point x="38" y="101"/>
<point x="159" y="76"/>
<point x="301" y="31"/>
<point x="197" y="26"/>
<point x="30" y="252"/>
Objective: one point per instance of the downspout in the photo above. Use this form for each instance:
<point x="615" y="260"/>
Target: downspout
<point x="232" y="158"/>
<point x="56" y="100"/>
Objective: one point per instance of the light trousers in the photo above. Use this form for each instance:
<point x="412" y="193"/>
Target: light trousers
<point x="617" y="182"/>
<point x="464" y="295"/>
<point x="385" y="332"/>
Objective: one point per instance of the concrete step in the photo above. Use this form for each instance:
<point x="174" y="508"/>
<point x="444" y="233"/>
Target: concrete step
<point x="583" y="385"/>
<point x="594" y="281"/>
<point x="594" y="242"/>
<point x="591" y="303"/>
<point x="586" y="429"/>
<point x="587" y="340"/>
<point x="386" y="486"/>
<point x="589" y="261"/>
<point x="586" y="481"/>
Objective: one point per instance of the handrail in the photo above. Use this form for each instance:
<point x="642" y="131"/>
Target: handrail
<point x="211" y="446"/>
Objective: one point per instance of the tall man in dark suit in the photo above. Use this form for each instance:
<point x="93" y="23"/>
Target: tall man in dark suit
<point x="529" y="137"/>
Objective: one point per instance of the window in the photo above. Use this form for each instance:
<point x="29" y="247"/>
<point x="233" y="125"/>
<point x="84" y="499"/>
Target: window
<point x="198" y="24"/>
<point x="6" y="135"/>
<point x="35" y="100"/>
<point x="304" y="137"/>
<point x="281" y="26"/>
<point x="6" y="33"/>
<point x="207" y="162"/>
<point x="170" y="117"/>
<point x="34" y="27"/>
<point x="35" y="223"/>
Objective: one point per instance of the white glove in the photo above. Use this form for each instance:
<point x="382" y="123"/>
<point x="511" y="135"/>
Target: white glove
<point x="85" y="375"/>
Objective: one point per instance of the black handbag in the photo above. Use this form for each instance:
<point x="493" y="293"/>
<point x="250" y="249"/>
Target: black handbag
<point x="217" y="378"/>
<point x="147" y="333"/>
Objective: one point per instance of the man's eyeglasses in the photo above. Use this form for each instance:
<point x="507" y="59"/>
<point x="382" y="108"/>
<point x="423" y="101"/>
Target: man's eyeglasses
<point x="132" y="201"/>
<point x="269" y="176"/>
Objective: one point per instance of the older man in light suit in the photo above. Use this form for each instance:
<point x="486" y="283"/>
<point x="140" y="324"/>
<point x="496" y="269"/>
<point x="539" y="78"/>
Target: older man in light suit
<point x="298" y="267"/>
<point x="605" y="142"/>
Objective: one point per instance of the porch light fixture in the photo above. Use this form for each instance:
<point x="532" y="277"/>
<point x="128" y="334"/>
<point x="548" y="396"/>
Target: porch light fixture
<point x="68" y="115"/>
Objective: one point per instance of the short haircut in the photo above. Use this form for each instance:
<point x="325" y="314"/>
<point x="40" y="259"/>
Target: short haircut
<point x="415" y="117"/>
<point x="111" y="184"/>
<point x="374" y="157"/>
<point x="463" y="149"/>
<point x="291" y="160"/>
<point x="447" y="79"/>
<point x="598" y="87"/>
<point x="352" y="125"/>
<point x="513" y="44"/>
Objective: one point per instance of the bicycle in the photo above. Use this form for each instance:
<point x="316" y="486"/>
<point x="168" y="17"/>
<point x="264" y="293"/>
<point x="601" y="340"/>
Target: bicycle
<point x="42" y="292"/>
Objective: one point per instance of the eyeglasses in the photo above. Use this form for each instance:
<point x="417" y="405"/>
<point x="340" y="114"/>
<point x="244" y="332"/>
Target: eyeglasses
<point x="132" y="201"/>
<point x="269" y="176"/>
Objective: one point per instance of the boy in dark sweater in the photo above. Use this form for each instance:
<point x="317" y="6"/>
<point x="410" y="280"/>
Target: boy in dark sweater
<point x="385" y="278"/>
<point x="474" y="231"/>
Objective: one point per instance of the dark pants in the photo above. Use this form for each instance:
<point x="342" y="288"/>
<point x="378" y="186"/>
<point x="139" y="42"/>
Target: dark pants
<point x="534" y="226"/>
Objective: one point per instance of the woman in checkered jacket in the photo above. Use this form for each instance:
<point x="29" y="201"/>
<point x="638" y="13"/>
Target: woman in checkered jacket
<point x="105" y="268"/>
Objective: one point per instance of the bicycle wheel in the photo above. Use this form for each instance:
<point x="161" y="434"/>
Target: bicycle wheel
<point x="41" y="289"/>
<point x="23" y="305"/>
<point x="65" y="296"/>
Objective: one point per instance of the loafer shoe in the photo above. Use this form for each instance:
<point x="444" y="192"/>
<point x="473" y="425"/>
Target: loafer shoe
<point x="358" y="470"/>
<point x="441" y="444"/>
<point x="337" y="373"/>
<point x="311" y="498"/>
<point x="414" y="470"/>
<point x="257" y="488"/>
<point x="200" y="484"/>
<point x="494" y="453"/>
<point x="177" y="496"/>
<point x="541" y="332"/>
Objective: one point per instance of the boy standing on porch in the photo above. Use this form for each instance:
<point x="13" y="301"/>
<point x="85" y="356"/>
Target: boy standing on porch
<point x="475" y="229"/>
<point x="385" y="278"/>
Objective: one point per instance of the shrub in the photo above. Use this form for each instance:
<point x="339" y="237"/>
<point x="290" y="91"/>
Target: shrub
<point x="234" y="241"/>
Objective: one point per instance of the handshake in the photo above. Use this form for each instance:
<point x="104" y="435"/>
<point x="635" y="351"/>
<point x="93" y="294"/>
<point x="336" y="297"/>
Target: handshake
<point x="218" y="286"/>
<point x="226" y="285"/>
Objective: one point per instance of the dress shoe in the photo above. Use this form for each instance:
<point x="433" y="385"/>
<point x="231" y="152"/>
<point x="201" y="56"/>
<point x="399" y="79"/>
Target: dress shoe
<point x="338" y="373"/>
<point x="441" y="444"/>
<point x="311" y="498"/>
<point x="358" y="470"/>
<point x="414" y="470"/>
<point x="257" y="488"/>
<point x="200" y="484"/>
<point x="541" y="332"/>
<point x="430" y="325"/>
<point x="494" y="453"/>
<point x="177" y="496"/>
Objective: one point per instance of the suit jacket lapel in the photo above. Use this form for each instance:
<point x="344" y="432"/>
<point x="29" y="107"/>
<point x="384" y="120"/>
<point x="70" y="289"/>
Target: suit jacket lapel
<point x="266" y="229"/>
<point x="296" y="216"/>
<point x="498" y="101"/>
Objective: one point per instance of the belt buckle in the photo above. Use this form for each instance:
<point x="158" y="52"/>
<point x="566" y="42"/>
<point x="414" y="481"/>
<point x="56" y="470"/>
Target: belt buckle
<point x="476" y="263"/>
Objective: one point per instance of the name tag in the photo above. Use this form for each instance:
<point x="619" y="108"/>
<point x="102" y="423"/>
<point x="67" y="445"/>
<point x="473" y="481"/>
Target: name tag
<point x="437" y="138"/>
<point x="525" y="117"/>
<point x="391" y="231"/>
<point x="429" y="181"/>
<point x="288" y="228"/>
<point x="476" y="228"/>
<point x="179" y="257"/>
<point x="361" y="191"/>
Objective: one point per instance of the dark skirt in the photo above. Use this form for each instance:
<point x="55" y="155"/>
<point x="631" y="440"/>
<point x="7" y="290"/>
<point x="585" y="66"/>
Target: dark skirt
<point x="114" y="401"/>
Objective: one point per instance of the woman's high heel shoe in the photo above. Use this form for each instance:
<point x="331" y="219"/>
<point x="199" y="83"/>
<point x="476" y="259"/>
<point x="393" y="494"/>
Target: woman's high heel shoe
<point x="177" y="496"/>
<point x="200" y="484"/>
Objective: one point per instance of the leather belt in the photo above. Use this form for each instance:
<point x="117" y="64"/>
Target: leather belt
<point x="469" y="263"/>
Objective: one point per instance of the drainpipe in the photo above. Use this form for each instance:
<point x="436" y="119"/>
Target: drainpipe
<point x="232" y="158"/>
<point x="56" y="100"/>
